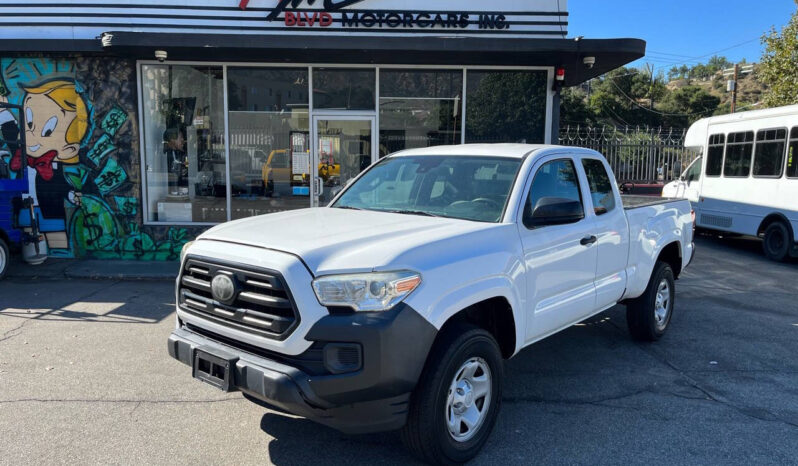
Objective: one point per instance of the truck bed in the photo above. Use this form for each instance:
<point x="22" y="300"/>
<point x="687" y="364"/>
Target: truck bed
<point x="631" y="201"/>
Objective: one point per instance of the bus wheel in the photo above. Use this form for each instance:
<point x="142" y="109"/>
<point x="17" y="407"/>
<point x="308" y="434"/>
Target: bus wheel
<point x="777" y="241"/>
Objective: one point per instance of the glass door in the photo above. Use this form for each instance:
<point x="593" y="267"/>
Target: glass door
<point x="343" y="146"/>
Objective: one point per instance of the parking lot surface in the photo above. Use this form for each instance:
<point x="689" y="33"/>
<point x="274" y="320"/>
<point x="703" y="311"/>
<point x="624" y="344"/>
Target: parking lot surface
<point x="85" y="378"/>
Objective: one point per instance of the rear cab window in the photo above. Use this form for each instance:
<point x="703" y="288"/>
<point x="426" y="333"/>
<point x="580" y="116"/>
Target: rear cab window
<point x="600" y="186"/>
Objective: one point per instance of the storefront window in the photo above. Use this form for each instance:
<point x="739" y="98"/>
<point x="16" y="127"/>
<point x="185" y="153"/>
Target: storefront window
<point x="183" y="115"/>
<point x="506" y="106"/>
<point x="419" y="108"/>
<point x="344" y="89"/>
<point x="269" y="140"/>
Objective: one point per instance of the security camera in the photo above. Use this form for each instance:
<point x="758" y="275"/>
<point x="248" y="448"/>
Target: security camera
<point x="589" y="62"/>
<point x="161" y="55"/>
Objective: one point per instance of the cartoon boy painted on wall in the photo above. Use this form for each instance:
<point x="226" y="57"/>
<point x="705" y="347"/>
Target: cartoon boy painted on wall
<point x="56" y="122"/>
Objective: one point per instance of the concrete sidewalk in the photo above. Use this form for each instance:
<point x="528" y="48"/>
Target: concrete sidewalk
<point x="55" y="268"/>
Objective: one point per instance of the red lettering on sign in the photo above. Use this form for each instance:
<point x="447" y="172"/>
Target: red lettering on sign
<point x="243" y="4"/>
<point x="322" y="19"/>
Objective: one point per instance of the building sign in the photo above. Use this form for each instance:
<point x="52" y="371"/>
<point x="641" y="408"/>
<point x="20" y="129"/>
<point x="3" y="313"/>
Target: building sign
<point x="43" y="19"/>
<point x="290" y="12"/>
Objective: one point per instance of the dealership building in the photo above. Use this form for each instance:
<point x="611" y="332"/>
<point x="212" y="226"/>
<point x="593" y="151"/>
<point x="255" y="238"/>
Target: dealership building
<point x="148" y="121"/>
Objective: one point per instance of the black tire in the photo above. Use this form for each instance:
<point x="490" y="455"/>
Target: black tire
<point x="641" y="313"/>
<point x="426" y="433"/>
<point x="777" y="241"/>
<point x="5" y="258"/>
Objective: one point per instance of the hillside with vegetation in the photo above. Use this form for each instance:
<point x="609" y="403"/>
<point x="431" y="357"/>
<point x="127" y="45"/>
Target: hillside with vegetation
<point x="672" y="99"/>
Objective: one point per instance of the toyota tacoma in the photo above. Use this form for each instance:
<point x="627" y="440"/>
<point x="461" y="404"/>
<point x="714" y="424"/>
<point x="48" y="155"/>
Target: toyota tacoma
<point x="393" y="307"/>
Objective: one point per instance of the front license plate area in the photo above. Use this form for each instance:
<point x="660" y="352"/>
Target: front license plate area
<point x="213" y="369"/>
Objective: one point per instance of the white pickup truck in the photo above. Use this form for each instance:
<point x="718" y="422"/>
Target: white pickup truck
<point x="393" y="307"/>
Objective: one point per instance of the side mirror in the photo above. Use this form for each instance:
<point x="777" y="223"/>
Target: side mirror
<point x="555" y="211"/>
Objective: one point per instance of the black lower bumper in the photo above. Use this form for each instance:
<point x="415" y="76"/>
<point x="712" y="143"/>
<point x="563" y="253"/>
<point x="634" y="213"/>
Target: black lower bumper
<point x="372" y="399"/>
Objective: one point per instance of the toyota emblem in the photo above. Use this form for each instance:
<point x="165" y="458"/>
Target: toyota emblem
<point x="223" y="288"/>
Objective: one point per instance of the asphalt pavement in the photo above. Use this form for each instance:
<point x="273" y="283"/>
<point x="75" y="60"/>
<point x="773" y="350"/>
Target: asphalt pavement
<point x="85" y="378"/>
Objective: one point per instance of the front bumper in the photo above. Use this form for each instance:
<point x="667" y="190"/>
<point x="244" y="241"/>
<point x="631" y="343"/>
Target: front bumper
<point x="372" y="399"/>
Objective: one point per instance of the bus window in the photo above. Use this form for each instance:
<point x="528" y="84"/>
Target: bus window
<point x="769" y="155"/>
<point x="694" y="172"/>
<point x="792" y="154"/>
<point x="715" y="154"/>
<point x="738" y="155"/>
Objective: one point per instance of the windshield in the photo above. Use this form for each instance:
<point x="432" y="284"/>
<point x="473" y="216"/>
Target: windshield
<point x="465" y="187"/>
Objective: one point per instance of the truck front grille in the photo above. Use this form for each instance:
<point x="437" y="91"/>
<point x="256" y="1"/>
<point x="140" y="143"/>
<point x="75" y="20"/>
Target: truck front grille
<point x="261" y="304"/>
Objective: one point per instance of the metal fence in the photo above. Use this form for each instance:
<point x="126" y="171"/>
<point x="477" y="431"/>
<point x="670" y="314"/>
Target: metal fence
<point x="636" y="154"/>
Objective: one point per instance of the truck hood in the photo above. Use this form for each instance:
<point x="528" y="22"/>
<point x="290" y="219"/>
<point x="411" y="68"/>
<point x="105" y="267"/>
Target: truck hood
<point x="331" y="240"/>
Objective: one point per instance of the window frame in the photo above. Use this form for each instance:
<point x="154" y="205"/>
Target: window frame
<point x="790" y="139"/>
<point x="786" y="140"/>
<point x="587" y="178"/>
<point x="722" y="155"/>
<point x="525" y="198"/>
<point x="751" y="157"/>
<point x="143" y="196"/>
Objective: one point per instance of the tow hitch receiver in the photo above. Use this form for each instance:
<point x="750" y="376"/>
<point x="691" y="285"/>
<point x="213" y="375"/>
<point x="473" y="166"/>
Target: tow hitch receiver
<point x="215" y="370"/>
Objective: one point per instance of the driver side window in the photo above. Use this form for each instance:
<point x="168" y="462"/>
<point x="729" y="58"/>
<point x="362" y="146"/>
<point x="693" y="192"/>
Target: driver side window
<point x="694" y="172"/>
<point x="554" y="197"/>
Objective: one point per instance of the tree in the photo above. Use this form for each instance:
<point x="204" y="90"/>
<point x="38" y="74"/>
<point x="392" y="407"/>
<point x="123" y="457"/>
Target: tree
<point x="778" y="65"/>
<point x="686" y="105"/>
<point x="574" y="109"/>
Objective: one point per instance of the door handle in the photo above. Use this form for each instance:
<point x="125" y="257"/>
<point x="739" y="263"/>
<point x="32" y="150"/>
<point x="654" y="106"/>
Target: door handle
<point x="588" y="240"/>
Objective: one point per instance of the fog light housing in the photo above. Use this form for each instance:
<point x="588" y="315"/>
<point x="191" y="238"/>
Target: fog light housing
<point x="340" y="358"/>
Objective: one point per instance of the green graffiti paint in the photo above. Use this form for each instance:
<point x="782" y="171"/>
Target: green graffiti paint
<point x="115" y="118"/>
<point x="111" y="177"/>
<point x="102" y="148"/>
<point x="127" y="206"/>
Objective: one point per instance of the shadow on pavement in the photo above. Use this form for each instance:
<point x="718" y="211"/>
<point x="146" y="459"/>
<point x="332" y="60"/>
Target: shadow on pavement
<point x="108" y="302"/>
<point x="298" y="441"/>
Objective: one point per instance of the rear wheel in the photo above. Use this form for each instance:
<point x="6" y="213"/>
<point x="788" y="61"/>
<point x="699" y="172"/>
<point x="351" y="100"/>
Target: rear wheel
<point x="649" y="315"/>
<point x="454" y="407"/>
<point x="5" y="258"/>
<point x="776" y="242"/>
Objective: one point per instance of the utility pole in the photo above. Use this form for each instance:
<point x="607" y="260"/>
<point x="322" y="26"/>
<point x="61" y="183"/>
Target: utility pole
<point x="734" y="89"/>
<point x="731" y="85"/>
<point x="650" y="69"/>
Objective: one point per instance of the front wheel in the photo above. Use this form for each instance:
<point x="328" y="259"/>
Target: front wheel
<point x="455" y="405"/>
<point x="5" y="258"/>
<point x="776" y="242"/>
<point x="649" y="315"/>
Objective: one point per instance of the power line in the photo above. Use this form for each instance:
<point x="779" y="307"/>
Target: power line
<point x="711" y="53"/>
<point x="656" y="111"/>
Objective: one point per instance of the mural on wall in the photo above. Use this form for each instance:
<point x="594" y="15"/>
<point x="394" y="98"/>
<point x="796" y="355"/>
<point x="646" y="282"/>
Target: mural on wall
<point x="81" y="158"/>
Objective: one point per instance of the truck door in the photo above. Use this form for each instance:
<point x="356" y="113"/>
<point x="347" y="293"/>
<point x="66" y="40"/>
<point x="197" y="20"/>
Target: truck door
<point x="558" y="246"/>
<point x="612" y="232"/>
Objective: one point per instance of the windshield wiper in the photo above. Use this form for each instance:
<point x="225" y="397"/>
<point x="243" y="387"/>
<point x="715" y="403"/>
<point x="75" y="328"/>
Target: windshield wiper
<point x="413" y="212"/>
<point x="349" y="207"/>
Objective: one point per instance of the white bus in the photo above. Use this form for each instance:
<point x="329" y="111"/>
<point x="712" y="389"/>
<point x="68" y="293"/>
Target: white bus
<point x="746" y="179"/>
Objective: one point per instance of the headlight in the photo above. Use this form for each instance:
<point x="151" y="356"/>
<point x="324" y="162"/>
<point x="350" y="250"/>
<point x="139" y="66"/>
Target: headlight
<point x="376" y="291"/>
<point x="183" y="251"/>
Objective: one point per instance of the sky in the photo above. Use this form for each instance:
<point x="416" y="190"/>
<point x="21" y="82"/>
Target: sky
<point x="682" y="31"/>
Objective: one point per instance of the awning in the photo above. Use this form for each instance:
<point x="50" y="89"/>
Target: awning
<point x="357" y="49"/>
